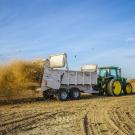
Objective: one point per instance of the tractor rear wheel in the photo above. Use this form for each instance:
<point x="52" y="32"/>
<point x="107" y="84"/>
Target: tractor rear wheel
<point x="114" y="88"/>
<point x="127" y="88"/>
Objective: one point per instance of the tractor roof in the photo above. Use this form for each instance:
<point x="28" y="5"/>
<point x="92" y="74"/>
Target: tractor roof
<point x="109" y="67"/>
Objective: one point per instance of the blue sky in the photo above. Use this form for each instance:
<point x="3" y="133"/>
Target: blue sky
<point x="95" y="31"/>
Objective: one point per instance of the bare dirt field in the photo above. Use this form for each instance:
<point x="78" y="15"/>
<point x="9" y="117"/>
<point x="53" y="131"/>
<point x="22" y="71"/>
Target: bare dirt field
<point x="92" y="115"/>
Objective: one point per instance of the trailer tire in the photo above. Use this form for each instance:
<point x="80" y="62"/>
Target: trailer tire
<point x="46" y="95"/>
<point x="62" y="94"/>
<point x="75" y="93"/>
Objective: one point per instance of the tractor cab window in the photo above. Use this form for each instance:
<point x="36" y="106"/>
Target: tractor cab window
<point x="119" y="72"/>
<point x="113" y="72"/>
<point x="103" y="72"/>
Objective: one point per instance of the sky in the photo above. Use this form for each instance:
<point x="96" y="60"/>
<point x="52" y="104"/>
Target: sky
<point x="90" y="31"/>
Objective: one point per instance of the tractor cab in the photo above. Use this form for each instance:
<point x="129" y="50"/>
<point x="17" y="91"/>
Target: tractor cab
<point x="113" y="72"/>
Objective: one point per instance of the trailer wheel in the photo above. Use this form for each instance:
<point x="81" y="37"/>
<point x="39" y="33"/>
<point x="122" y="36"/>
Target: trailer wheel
<point x="127" y="88"/>
<point x="62" y="94"/>
<point x="75" y="93"/>
<point x="46" y="95"/>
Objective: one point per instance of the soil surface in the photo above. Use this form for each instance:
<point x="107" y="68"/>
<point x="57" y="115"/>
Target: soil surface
<point x="91" y="115"/>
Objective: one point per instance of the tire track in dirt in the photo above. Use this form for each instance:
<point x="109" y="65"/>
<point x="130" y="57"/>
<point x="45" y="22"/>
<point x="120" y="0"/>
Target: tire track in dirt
<point x="85" y="124"/>
<point x="99" y="116"/>
<point x="99" y="119"/>
<point x="122" y="121"/>
<point x="26" y="123"/>
<point x="23" y="122"/>
<point x="96" y="123"/>
<point x="118" y="118"/>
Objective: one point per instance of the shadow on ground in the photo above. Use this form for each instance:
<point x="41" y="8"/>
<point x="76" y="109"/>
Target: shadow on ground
<point x="41" y="99"/>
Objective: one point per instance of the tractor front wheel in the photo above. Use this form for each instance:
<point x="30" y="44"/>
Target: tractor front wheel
<point x="127" y="88"/>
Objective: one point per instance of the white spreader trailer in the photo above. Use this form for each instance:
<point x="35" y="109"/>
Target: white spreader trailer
<point x="65" y="84"/>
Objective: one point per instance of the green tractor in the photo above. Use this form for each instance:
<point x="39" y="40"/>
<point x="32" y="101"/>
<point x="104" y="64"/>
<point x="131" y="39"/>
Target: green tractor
<point x="111" y="83"/>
